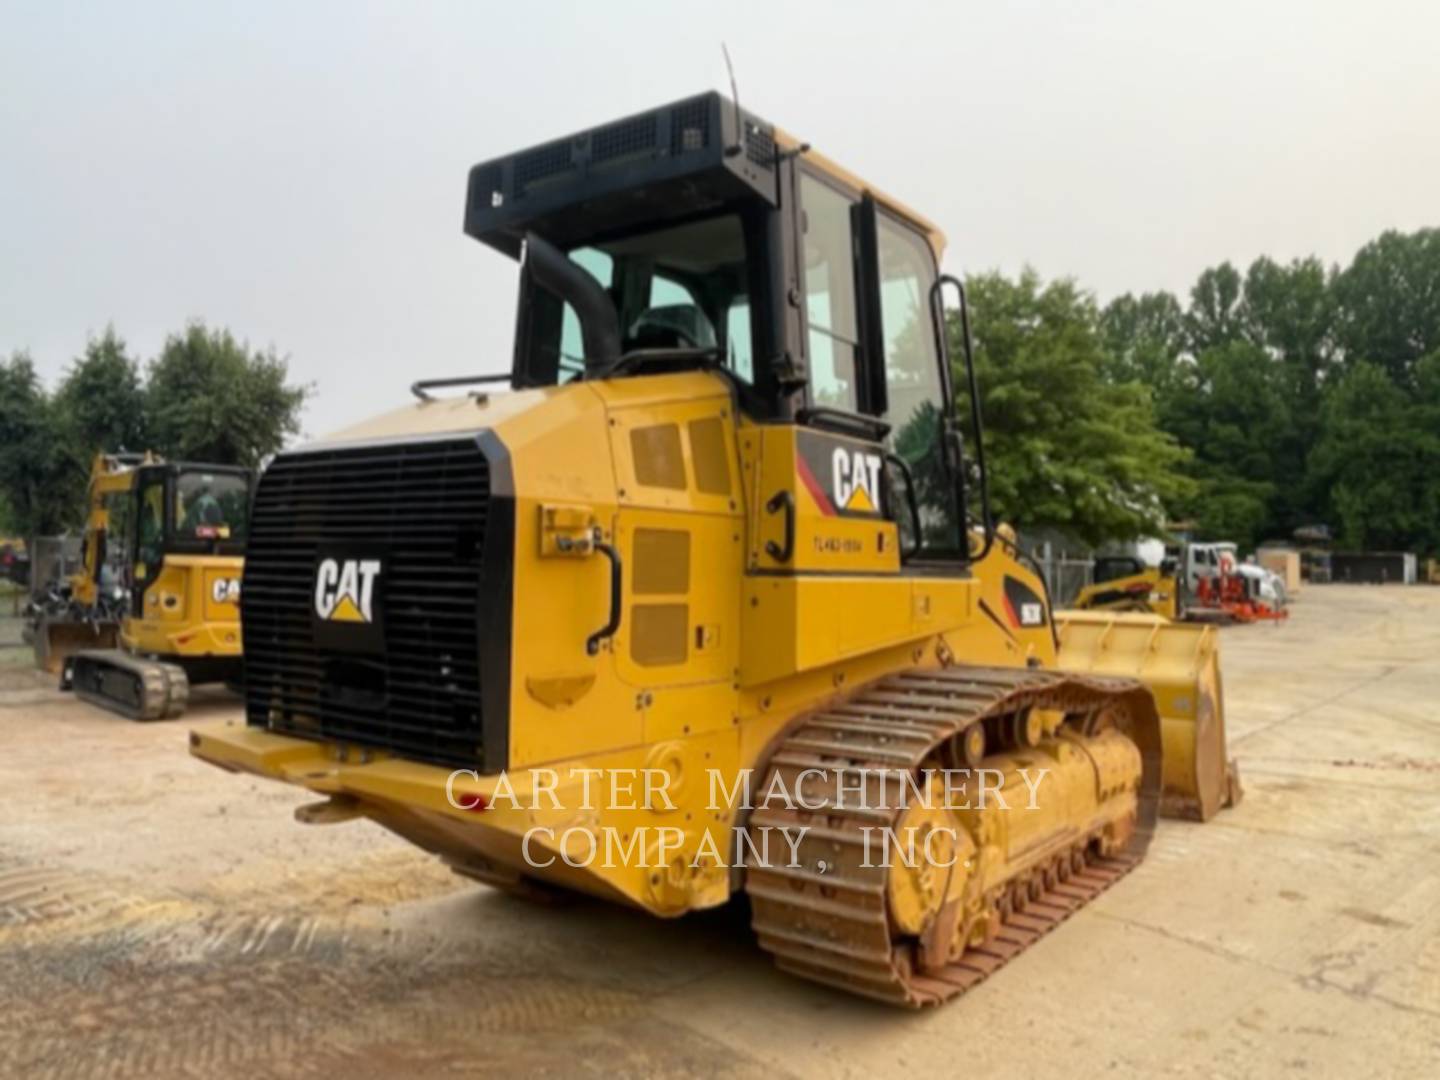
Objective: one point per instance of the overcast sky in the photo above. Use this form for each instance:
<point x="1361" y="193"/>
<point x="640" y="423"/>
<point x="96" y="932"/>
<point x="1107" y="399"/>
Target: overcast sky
<point x="295" y="171"/>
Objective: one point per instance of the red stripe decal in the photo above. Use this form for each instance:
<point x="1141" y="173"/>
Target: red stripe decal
<point x="812" y="485"/>
<point x="1010" y="614"/>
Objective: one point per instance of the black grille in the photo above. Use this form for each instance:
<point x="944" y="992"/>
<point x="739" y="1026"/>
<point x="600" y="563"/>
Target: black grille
<point x="625" y="139"/>
<point x="690" y="126"/>
<point x="759" y="146"/>
<point x="423" y="507"/>
<point x="543" y="165"/>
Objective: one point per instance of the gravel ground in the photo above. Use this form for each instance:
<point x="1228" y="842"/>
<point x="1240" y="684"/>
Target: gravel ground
<point x="161" y="918"/>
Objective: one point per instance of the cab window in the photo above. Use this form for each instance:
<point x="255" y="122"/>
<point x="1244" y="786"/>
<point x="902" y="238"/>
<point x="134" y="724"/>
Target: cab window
<point x="150" y="525"/>
<point x="572" y="352"/>
<point x="672" y="288"/>
<point x="739" y="352"/>
<point x="830" y="311"/>
<point x="914" y="390"/>
<point x="117" y="539"/>
<point x="211" y="506"/>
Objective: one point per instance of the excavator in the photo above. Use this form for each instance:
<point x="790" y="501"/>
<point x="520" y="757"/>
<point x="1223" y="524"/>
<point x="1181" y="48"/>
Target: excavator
<point x="709" y="600"/>
<point x="155" y="604"/>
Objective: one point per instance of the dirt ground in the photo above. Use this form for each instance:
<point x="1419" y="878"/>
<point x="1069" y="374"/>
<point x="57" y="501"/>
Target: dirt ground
<point x="161" y="918"/>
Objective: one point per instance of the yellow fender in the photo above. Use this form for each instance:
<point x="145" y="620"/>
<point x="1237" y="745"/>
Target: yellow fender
<point x="1180" y="663"/>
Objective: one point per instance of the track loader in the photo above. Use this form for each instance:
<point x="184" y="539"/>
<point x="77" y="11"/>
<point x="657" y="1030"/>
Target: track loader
<point x="155" y="605"/>
<point x="711" y="600"/>
<point x="1124" y="583"/>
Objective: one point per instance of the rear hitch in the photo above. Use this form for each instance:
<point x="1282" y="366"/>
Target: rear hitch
<point x="333" y="811"/>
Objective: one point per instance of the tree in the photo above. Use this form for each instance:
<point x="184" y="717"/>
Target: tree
<point x="211" y="398"/>
<point x="1144" y="337"/>
<point x="1290" y="311"/>
<point x="1378" y="458"/>
<point x="1389" y="302"/>
<point x="1230" y="409"/>
<point x="1066" y="448"/>
<point x="35" y="469"/>
<point x="101" y="401"/>
<point x="1214" y="316"/>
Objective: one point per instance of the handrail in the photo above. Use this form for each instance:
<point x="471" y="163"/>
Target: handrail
<point x="937" y="305"/>
<point x="419" y="387"/>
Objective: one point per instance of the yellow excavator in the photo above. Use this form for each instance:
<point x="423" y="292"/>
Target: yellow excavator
<point x="155" y="605"/>
<point x="711" y="602"/>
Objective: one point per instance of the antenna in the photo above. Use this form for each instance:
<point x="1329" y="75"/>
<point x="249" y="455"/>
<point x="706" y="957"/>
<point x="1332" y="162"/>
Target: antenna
<point x="731" y="151"/>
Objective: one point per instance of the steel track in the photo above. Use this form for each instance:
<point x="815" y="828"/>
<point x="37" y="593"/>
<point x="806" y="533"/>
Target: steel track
<point x="827" y="918"/>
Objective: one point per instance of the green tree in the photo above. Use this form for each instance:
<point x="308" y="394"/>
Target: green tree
<point x="1066" y="448"/>
<point x="1290" y="311"/>
<point x="1214" y="317"/>
<point x="1378" y="457"/>
<point x="1143" y="337"/>
<point x="1389" y="302"/>
<point x="211" y="398"/>
<point x="101" y="400"/>
<point x="35" y="468"/>
<point x="1229" y="408"/>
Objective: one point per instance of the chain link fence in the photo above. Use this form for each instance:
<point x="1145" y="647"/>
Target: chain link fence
<point x="1066" y="569"/>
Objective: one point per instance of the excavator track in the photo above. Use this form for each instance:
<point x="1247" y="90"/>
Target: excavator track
<point x="132" y="686"/>
<point x="824" y="915"/>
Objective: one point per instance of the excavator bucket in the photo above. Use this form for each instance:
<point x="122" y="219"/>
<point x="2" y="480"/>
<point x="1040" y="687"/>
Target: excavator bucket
<point x="1180" y="663"/>
<point x="56" y="640"/>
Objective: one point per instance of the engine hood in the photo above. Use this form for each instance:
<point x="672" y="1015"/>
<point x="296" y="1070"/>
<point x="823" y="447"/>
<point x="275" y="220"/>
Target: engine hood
<point x="463" y="412"/>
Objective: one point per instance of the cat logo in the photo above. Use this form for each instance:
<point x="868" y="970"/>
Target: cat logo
<point x="225" y="590"/>
<point x="855" y="480"/>
<point x="345" y="590"/>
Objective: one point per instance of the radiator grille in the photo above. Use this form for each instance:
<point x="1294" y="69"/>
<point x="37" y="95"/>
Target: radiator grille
<point x="424" y="506"/>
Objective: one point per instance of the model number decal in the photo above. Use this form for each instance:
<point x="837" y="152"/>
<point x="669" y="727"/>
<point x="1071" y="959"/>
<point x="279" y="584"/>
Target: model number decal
<point x="1024" y="607"/>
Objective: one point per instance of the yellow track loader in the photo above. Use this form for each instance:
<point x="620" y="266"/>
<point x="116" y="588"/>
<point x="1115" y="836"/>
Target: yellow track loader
<point x="1124" y="583"/>
<point x="711" y="601"/>
<point x="155" y="605"/>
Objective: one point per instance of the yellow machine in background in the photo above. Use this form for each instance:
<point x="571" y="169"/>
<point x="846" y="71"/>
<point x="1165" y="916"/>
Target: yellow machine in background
<point x="1122" y="583"/>
<point x="728" y="535"/>
<point x="155" y="606"/>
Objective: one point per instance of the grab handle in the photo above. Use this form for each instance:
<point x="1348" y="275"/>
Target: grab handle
<point x="782" y="500"/>
<point x="612" y="624"/>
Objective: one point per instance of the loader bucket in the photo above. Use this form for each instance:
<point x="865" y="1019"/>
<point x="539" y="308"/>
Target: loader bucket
<point x="1180" y="663"/>
<point x="56" y="640"/>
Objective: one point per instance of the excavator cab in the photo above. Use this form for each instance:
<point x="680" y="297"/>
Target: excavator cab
<point x="729" y="526"/>
<point x="182" y="513"/>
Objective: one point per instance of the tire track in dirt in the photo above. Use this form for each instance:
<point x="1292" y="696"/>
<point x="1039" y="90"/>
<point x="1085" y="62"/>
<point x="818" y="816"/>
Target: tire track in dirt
<point x="98" y="979"/>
